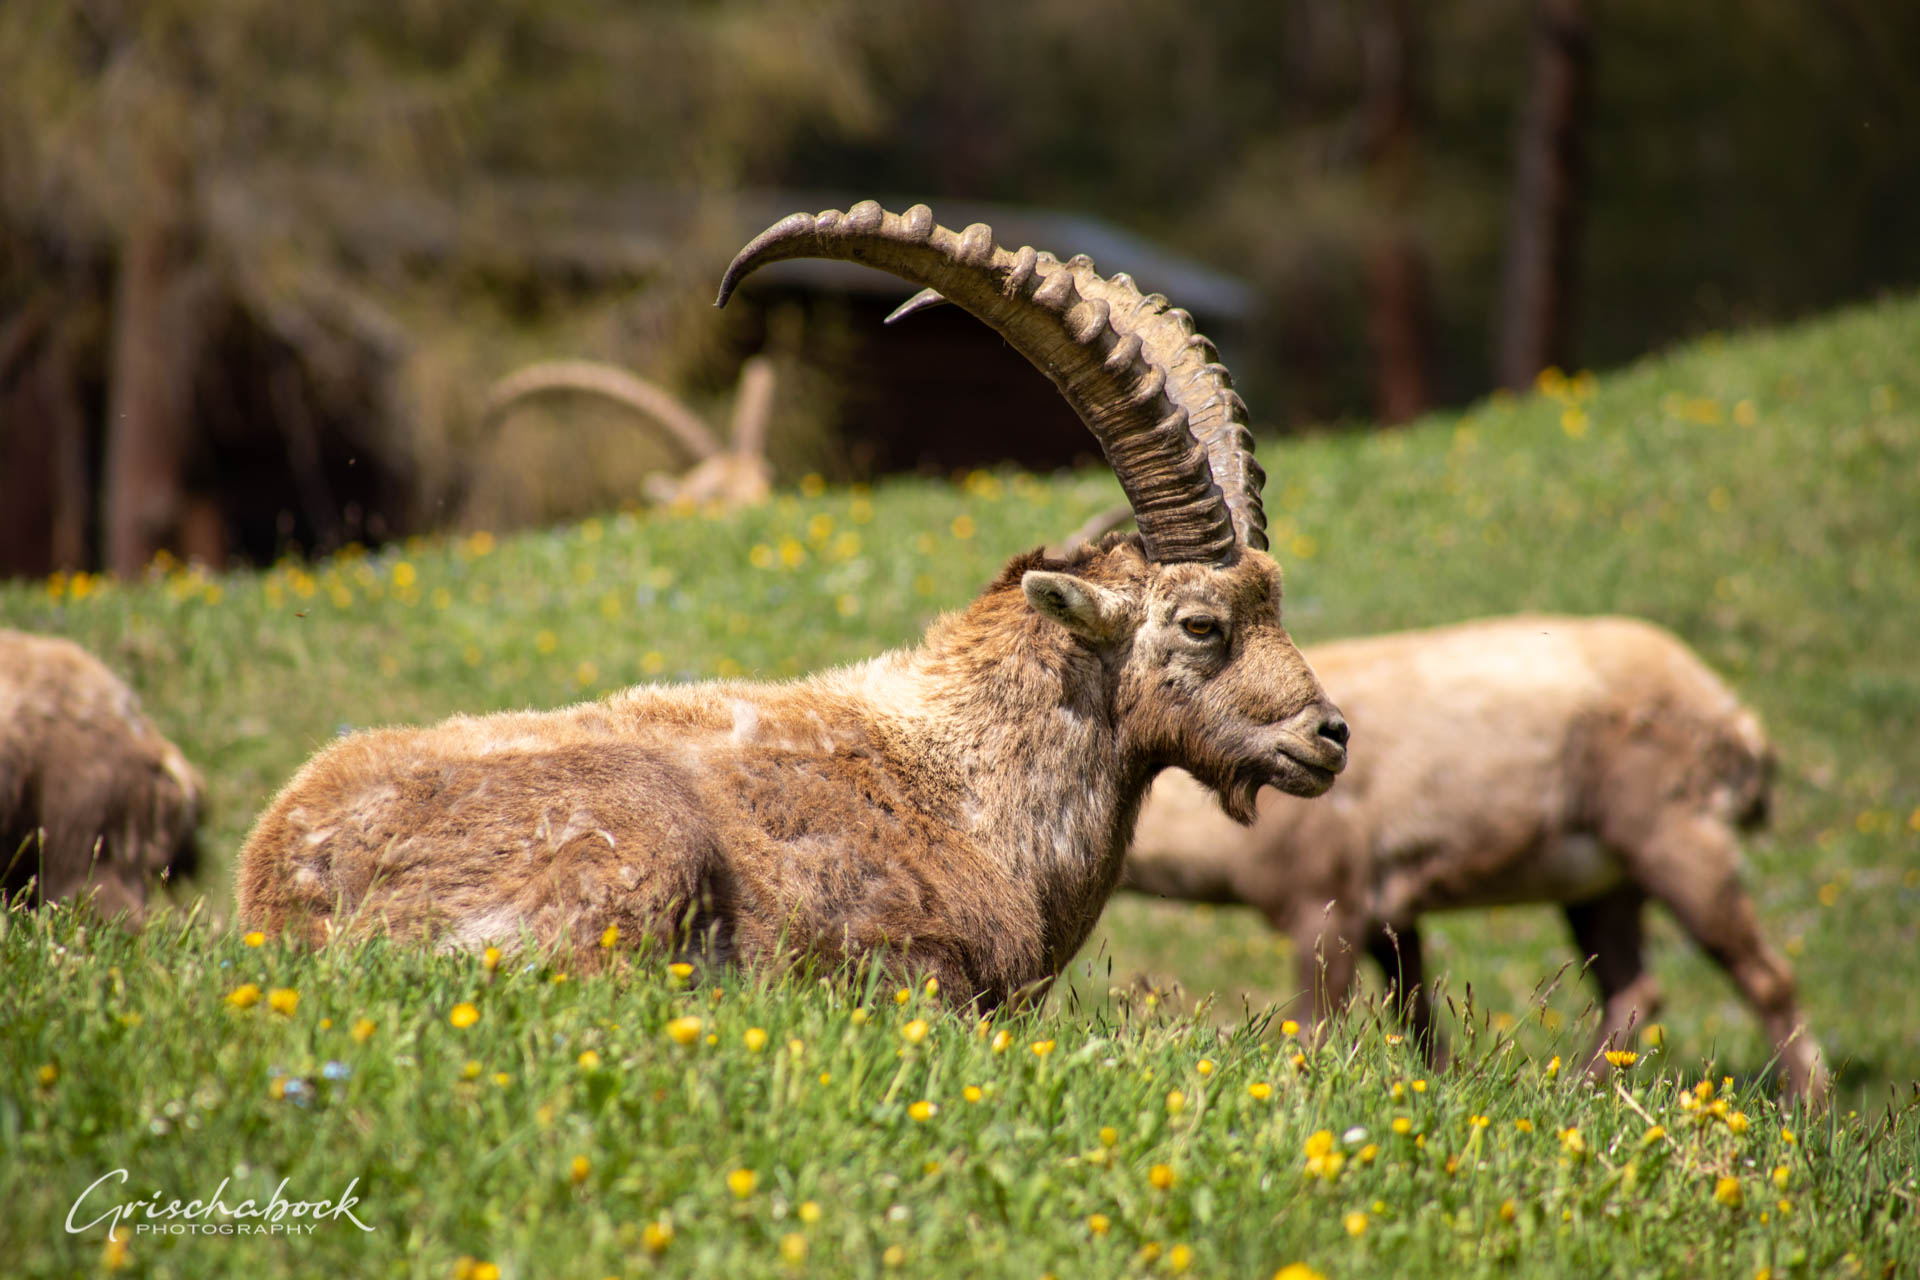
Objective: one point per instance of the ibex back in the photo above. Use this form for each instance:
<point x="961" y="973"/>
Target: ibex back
<point x="960" y="808"/>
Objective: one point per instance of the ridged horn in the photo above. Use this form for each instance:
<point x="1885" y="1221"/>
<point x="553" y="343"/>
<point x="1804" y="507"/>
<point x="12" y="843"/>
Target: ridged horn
<point x="1149" y="388"/>
<point x="594" y="378"/>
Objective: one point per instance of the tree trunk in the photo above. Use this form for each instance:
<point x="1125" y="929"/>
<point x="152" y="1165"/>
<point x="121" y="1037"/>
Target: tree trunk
<point x="1396" y="268"/>
<point x="1536" y="297"/>
<point x="149" y="403"/>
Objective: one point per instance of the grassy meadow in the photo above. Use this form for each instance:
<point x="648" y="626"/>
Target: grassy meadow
<point x="1759" y="495"/>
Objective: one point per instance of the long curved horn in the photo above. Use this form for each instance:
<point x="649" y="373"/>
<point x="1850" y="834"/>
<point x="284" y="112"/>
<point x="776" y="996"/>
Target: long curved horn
<point x="618" y="385"/>
<point x="1149" y="388"/>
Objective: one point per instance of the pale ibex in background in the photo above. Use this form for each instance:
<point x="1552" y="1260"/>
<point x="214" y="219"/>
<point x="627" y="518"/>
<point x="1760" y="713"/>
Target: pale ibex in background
<point x="735" y="475"/>
<point x="1591" y="762"/>
<point x="93" y="799"/>
<point x="960" y="809"/>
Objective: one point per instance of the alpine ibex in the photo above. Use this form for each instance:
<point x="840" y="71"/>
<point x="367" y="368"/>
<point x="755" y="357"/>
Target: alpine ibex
<point x="959" y="809"/>
<point x="1591" y="762"/>
<point x="736" y="476"/>
<point x="93" y="799"/>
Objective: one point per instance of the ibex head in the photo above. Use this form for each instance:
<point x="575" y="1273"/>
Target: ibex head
<point x="1184" y="617"/>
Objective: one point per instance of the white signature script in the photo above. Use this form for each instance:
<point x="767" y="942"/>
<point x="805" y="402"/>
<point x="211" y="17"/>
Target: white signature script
<point x="157" y="1213"/>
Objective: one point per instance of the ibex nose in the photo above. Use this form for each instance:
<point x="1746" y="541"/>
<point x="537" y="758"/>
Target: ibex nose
<point x="1334" y="729"/>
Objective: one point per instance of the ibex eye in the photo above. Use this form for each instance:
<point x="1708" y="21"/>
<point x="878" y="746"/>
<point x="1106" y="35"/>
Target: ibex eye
<point x="1198" y="626"/>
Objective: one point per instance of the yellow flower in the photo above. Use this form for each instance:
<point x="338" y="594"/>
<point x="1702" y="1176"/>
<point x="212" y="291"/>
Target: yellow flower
<point x="1653" y="1134"/>
<point x="490" y="959"/>
<point x="589" y="1060"/>
<point x="1041" y="1048"/>
<point x="1150" y="1252"/>
<point x="1398" y="1092"/>
<point x="755" y="1038"/>
<point x="1369" y="1153"/>
<point x="809" y="1211"/>
<point x="1099" y="1224"/>
<point x="464" y="1015"/>
<point x="1179" y="1258"/>
<point x="1320" y="1143"/>
<point x="796" y="1047"/>
<point x="894" y="1255"/>
<point x="1508" y="1210"/>
<point x="1160" y="1177"/>
<point x="1553" y="1067"/>
<point x="1402" y="1124"/>
<point x="793" y="1248"/>
<point x="971" y="1093"/>
<point x="283" y="1001"/>
<point x="685" y="1030"/>
<point x="922" y="1111"/>
<point x="255" y="939"/>
<point x="485" y="1271"/>
<point x="1108" y="1135"/>
<point x="1260" y="1091"/>
<point x="49" y="1073"/>
<point x="1001" y="1040"/>
<point x="471" y="1071"/>
<point x="859" y="1016"/>
<point x="1176" y="1102"/>
<point x="1786" y="1136"/>
<point x="610" y="937"/>
<point x="502" y="1079"/>
<point x="1727" y="1192"/>
<point x="1297" y="1271"/>
<point x="933" y="986"/>
<point x="1737" y="1122"/>
<point x="579" y="1169"/>
<point x="1289" y="1028"/>
<point x="742" y="1182"/>
<point x="1356" y="1224"/>
<point x="1523" y="1125"/>
<point x="363" y="1030"/>
<point x="914" y="1032"/>
<point x="1299" y="1061"/>
<point x="1204" y="1066"/>
<point x="244" y="996"/>
<point x="1478" y="1122"/>
<point x="656" y="1236"/>
<point x="1419" y="1086"/>
<point x="902" y="996"/>
<point x="680" y="971"/>
<point x="1622" y="1058"/>
<point x="1571" y="1139"/>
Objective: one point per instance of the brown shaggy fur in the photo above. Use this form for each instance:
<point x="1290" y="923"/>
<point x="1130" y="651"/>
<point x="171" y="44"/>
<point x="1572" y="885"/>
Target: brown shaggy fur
<point x="1593" y="762"/>
<point x="93" y="800"/>
<point x="960" y="808"/>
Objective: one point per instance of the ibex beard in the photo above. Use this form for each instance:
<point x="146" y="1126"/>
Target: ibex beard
<point x="960" y="809"/>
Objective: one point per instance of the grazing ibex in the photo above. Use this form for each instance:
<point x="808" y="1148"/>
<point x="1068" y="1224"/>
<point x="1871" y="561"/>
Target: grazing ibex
<point x="93" y="800"/>
<point x="1591" y="762"/>
<point x="735" y="476"/>
<point x="959" y="809"/>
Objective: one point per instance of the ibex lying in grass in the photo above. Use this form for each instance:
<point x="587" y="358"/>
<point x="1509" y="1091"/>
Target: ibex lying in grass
<point x="1592" y="762"/>
<point x="93" y="800"/>
<point x="735" y="476"/>
<point x="959" y="809"/>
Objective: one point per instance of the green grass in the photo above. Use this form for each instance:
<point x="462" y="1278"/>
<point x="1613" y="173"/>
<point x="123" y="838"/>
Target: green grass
<point x="1755" y="495"/>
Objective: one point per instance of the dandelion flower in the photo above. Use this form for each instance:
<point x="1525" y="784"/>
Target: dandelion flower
<point x="1524" y="1125"/>
<point x="1653" y="1134"/>
<point x="742" y="1182"/>
<point x="680" y="971"/>
<point x="1727" y="1192"/>
<point x="971" y="1093"/>
<point x="656" y="1236"/>
<point x="1402" y="1124"/>
<point x="1204" y="1066"/>
<point x="1297" y="1271"/>
<point x="490" y="959"/>
<point x="1356" y="1224"/>
<point x="1622" y="1058"/>
<point x="1299" y="1061"/>
<point x="914" y="1032"/>
<point x="1419" y="1086"/>
<point x="1002" y="1040"/>
<point x="1179" y="1258"/>
<point x="1099" y="1223"/>
<point x="1571" y="1139"/>
<point x="463" y="1015"/>
<point x="809" y="1211"/>
<point x="1508" y="1211"/>
<point x="1108" y="1135"/>
<point x="1289" y="1028"/>
<point x="1369" y="1153"/>
<point x="244" y="996"/>
<point x="933" y="987"/>
<point x="793" y="1248"/>
<point x="922" y="1111"/>
<point x="1737" y="1122"/>
<point x="1041" y="1048"/>
<point x="1260" y="1091"/>
<point x="894" y="1255"/>
<point x="685" y="1030"/>
<point x="363" y="1030"/>
<point x="859" y="1016"/>
<point x="49" y="1073"/>
<point x="471" y="1071"/>
<point x="1160" y="1177"/>
<point x="610" y="938"/>
<point x="283" y="1001"/>
<point x="1781" y="1176"/>
<point x="1176" y="1102"/>
<point x="902" y="996"/>
<point x="579" y="1169"/>
<point x="755" y="1038"/>
<point x="255" y="939"/>
<point x="589" y="1060"/>
<point x="1553" y="1067"/>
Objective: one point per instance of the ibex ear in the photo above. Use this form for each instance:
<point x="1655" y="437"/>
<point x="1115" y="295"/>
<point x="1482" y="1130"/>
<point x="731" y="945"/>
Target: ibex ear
<point x="1082" y="607"/>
